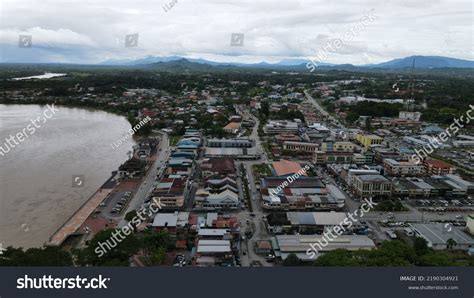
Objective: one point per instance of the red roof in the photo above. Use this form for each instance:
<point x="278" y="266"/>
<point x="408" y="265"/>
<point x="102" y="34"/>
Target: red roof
<point x="438" y="163"/>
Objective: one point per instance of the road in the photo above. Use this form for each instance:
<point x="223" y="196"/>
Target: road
<point x="253" y="220"/>
<point x="323" y="111"/>
<point x="146" y="187"/>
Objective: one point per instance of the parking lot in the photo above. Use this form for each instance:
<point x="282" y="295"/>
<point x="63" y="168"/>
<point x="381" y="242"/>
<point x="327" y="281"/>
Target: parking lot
<point x="115" y="204"/>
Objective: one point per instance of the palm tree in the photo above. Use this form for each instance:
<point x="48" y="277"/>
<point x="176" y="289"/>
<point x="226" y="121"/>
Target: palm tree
<point x="450" y="243"/>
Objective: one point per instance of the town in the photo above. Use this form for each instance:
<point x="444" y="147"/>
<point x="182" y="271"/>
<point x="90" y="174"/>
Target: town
<point x="251" y="168"/>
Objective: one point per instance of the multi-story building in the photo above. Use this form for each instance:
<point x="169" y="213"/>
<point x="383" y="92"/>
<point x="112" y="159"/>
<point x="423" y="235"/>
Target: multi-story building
<point x="300" y="146"/>
<point x="338" y="146"/>
<point x="371" y="185"/>
<point x="402" y="168"/>
<point x="437" y="167"/>
<point x="322" y="157"/>
<point x="368" y="140"/>
<point x="281" y="126"/>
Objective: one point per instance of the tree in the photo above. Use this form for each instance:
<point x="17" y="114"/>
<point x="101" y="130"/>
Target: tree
<point x="130" y="216"/>
<point x="157" y="257"/>
<point x="368" y="125"/>
<point x="292" y="260"/>
<point x="115" y="253"/>
<point x="450" y="243"/>
<point x="47" y="256"/>
<point x="265" y="108"/>
<point x="420" y="246"/>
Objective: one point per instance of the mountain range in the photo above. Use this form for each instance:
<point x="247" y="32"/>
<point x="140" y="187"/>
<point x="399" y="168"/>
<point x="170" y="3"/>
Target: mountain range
<point x="424" y="62"/>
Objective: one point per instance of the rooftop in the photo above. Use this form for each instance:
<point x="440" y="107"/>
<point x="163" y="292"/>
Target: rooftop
<point x="285" y="167"/>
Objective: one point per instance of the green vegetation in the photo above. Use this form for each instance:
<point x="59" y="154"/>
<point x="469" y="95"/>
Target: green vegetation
<point x="373" y="109"/>
<point x="48" y="256"/>
<point x="390" y="253"/>
<point x="389" y="205"/>
<point x="174" y="139"/>
<point x="261" y="170"/>
<point x="245" y="185"/>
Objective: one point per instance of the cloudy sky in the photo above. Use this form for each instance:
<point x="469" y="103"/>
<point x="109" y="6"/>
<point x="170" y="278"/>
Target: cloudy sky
<point x="92" y="31"/>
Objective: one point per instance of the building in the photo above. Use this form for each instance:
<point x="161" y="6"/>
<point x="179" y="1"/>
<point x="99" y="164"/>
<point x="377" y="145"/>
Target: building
<point x="226" y="199"/>
<point x="323" y="157"/>
<point x="371" y="186"/>
<point x="170" y="221"/>
<point x="286" y="167"/>
<point x="338" y="147"/>
<point x="263" y="247"/>
<point x="171" y="191"/>
<point x="284" y="245"/>
<point x="437" y="167"/>
<point x="132" y="168"/>
<point x="232" y="127"/>
<point x="368" y="140"/>
<point x="303" y="222"/>
<point x="236" y="153"/>
<point x="300" y="146"/>
<point x="281" y="126"/>
<point x="430" y="187"/>
<point x="440" y="236"/>
<point x="409" y="115"/>
<point x="304" y="193"/>
<point x="402" y="168"/>
<point x="231" y="143"/>
<point x="218" y="167"/>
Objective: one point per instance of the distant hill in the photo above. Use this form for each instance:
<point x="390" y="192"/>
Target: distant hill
<point x="426" y="62"/>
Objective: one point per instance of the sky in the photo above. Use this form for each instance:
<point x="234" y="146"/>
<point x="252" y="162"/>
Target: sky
<point x="340" y="31"/>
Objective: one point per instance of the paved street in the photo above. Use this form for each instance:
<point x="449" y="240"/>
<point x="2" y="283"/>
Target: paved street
<point x="146" y="187"/>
